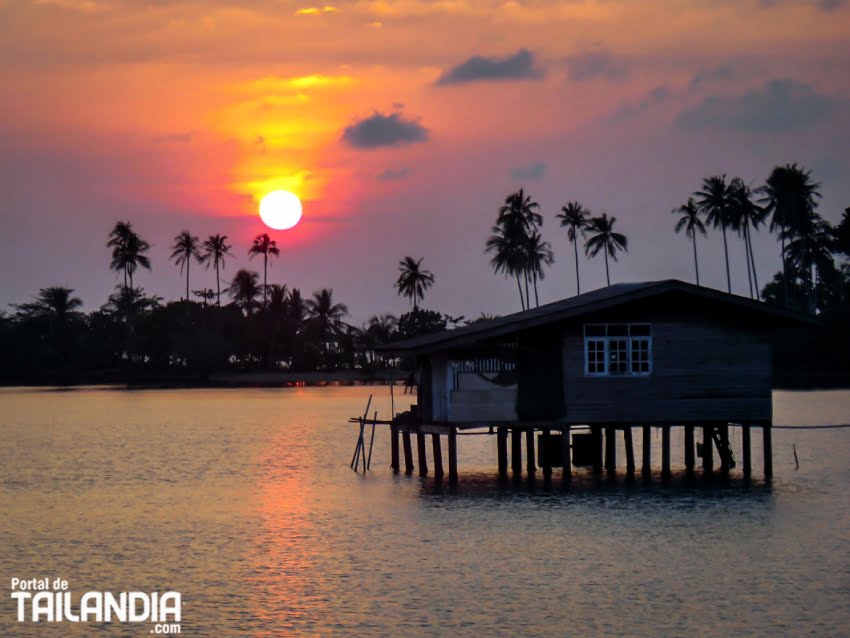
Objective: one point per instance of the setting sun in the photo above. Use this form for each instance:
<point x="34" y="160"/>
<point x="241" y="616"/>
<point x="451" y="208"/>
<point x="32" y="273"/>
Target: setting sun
<point x="280" y="210"/>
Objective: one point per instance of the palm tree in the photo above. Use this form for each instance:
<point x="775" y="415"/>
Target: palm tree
<point x="538" y="253"/>
<point x="325" y="315"/>
<point x="244" y="290"/>
<point x="715" y="202"/>
<point x="508" y="254"/>
<point x="574" y="217"/>
<point x="128" y="251"/>
<point x="746" y="216"/>
<point x="186" y="248"/>
<point x="519" y="218"/>
<point x="789" y="195"/>
<point x="265" y="246"/>
<point x="603" y="238"/>
<point x="413" y="280"/>
<point x="215" y="248"/>
<point x="690" y="222"/>
<point x="56" y="305"/>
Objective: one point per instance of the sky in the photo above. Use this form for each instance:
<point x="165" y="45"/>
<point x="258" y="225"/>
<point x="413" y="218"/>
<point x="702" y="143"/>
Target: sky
<point x="402" y="125"/>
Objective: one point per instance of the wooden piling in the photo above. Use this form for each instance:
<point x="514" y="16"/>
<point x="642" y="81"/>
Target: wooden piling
<point x="630" y="451"/>
<point x="531" y="468"/>
<point x="423" y="459"/>
<point x="665" y="452"/>
<point x="707" y="449"/>
<point x="502" y="451"/>
<point x="610" y="450"/>
<point x="452" y="454"/>
<point x="394" y="464"/>
<point x="596" y="431"/>
<point x="646" y="460"/>
<point x="438" y="456"/>
<point x="747" y="450"/>
<point x="565" y="452"/>
<point x="723" y="450"/>
<point x="544" y="454"/>
<point x="516" y="452"/>
<point x="690" y="458"/>
<point x="768" y="450"/>
<point x="408" y="452"/>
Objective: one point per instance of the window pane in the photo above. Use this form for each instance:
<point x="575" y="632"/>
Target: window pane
<point x="617" y="356"/>
<point x="640" y="330"/>
<point x="618" y="330"/>
<point x="594" y="330"/>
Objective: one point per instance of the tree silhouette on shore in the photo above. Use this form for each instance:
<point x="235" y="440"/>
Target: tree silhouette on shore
<point x="603" y="238"/>
<point x="265" y="246"/>
<point x="215" y="248"/>
<point x="186" y="248"/>
<point x="690" y="222"/>
<point x="574" y="217"/>
<point x="128" y="251"/>
<point x="413" y="280"/>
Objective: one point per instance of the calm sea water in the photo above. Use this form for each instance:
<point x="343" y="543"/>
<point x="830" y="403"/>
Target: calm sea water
<point x="243" y="501"/>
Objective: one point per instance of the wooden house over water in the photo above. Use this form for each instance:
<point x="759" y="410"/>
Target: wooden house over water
<point x="572" y="375"/>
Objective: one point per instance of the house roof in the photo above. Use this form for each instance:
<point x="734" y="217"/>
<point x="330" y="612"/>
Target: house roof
<point x="583" y="304"/>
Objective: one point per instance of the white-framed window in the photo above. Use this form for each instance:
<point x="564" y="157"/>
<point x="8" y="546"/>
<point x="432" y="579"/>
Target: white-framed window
<point x="617" y="349"/>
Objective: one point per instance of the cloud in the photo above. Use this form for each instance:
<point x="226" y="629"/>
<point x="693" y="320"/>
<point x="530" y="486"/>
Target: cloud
<point x="392" y="174"/>
<point x="311" y="11"/>
<point x="629" y="110"/>
<point x="518" y="66"/>
<point x="780" y="104"/>
<point x="714" y="74"/>
<point x="591" y="65"/>
<point x="536" y="170"/>
<point x="379" y="130"/>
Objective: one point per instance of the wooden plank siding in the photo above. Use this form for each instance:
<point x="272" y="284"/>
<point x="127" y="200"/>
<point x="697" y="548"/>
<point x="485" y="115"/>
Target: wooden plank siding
<point x="704" y="369"/>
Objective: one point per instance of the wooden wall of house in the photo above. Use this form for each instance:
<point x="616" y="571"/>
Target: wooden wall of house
<point x="706" y="367"/>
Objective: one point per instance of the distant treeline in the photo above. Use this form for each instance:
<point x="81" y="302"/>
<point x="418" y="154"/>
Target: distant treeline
<point x="136" y="336"/>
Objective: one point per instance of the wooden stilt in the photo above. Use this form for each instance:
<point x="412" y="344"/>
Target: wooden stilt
<point x="408" y="452"/>
<point x="630" y="451"/>
<point x="423" y="459"/>
<point x="707" y="449"/>
<point x="394" y="464"/>
<point x="610" y="450"/>
<point x="453" y="455"/>
<point x="747" y="451"/>
<point x="723" y="430"/>
<point x="502" y="451"/>
<point x="516" y="452"/>
<point x="689" y="449"/>
<point x="665" y="452"/>
<point x="530" y="467"/>
<point x="544" y="455"/>
<point x="565" y="452"/>
<point x="646" y="452"/>
<point x="767" y="431"/>
<point x="596" y="431"/>
<point x="438" y="456"/>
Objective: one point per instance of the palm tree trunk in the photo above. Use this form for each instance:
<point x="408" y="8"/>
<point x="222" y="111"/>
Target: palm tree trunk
<point x="726" y="252"/>
<point x="187" y="279"/>
<point x="753" y="261"/>
<point x="747" y="255"/>
<point x="696" y="262"/>
<point x="536" y="297"/>
<point x="784" y="265"/>
<point x="527" y="298"/>
<point x="607" y="274"/>
<point x="265" y="278"/>
<point x="217" y="283"/>
<point x="519" y="287"/>
<point x="578" y="282"/>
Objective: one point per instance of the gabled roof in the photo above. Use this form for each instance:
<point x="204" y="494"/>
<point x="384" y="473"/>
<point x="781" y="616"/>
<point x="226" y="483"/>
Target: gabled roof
<point x="589" y="302"/>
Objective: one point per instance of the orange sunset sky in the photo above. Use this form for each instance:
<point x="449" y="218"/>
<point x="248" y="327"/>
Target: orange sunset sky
<point x="401" y="125"/>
